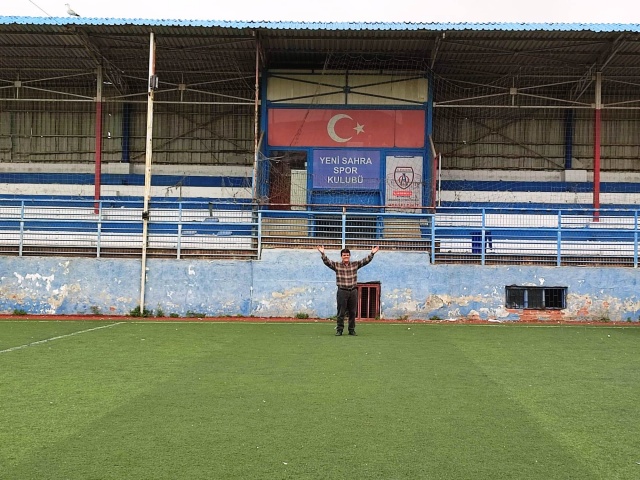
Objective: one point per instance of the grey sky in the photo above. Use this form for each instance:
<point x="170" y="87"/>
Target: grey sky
<point x="571" y="11"/>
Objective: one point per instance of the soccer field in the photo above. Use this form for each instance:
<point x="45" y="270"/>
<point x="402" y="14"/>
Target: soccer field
<point x="146" y="400"/>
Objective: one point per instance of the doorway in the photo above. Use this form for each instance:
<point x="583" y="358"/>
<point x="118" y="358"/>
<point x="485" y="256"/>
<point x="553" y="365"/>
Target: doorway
<point x="368" y="301"/>
<point x="288" y="180"/>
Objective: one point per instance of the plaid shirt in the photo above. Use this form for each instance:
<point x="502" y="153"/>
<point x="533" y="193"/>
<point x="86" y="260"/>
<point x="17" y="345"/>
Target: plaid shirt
<point x="346" y="273"/>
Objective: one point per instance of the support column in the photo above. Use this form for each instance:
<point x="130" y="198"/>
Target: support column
<point x="256" y="145"/>
<point x="597" y="126"/>
<point x="152" y="85"/>
<point x="568" y="139"/>
<point x="98" y="154"/>
<point x="126" y="132"/>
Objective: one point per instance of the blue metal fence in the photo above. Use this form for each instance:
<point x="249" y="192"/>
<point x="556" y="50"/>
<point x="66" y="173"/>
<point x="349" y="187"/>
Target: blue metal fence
<point x="481" y="236"/>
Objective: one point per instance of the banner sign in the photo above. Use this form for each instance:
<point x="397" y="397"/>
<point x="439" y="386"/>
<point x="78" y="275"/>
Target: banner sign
<point x="288" y="127"/>
<point x="404" y="182"/>
<point x="346" y="169"/>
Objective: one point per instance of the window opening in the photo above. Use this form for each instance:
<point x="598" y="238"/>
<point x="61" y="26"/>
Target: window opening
<point x="537" y="298"/>
<point x="369" y="300"/>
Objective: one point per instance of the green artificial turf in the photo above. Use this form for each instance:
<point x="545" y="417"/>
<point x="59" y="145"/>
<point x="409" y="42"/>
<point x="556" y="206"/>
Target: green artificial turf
<point x="276" y="401"/>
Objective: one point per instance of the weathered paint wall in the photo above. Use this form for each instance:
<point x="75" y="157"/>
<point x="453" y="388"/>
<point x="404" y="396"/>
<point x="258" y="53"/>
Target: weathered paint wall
<point x="287" y="282"/>
<point x="48" y="285"/>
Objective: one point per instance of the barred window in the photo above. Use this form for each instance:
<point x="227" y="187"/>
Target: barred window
<point x="538" y="298"/>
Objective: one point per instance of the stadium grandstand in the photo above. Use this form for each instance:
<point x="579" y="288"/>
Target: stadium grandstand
<point x="471" y="144"/>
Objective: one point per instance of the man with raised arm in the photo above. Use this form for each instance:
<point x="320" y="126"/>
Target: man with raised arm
<point x="347" y="282"/>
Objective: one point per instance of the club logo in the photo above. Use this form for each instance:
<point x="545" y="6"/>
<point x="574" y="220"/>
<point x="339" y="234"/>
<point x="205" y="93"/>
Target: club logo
<point x="403" y="176"/>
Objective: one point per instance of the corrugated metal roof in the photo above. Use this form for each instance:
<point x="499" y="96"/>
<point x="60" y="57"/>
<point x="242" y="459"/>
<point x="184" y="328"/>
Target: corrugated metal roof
<point x="330" y="26"/>
<point x="222" y="54"/>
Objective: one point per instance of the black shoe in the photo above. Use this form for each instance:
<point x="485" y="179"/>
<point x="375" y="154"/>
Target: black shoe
<point x="353" y="333"/>
<point x="339" y="333"/>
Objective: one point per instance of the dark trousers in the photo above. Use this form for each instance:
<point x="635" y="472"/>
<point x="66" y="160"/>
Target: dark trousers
<point x="347" y="305"/>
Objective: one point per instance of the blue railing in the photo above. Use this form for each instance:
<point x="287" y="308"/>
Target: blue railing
<point x="556" y="237"/>
<point x="241" y="230"/>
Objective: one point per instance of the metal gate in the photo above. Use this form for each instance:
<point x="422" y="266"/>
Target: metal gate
<point x="368" y="301"/>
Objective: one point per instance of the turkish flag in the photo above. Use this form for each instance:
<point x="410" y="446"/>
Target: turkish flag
<point x="293" y="127"/>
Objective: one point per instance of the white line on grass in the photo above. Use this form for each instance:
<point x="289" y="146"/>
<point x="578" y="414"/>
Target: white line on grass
<point x="12" y="349"/>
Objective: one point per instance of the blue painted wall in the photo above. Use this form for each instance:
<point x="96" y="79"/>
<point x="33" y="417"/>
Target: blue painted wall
<point x="286" y="282"/>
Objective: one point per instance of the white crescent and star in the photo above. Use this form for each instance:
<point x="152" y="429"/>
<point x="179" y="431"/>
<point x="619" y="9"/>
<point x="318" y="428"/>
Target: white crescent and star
<point x="331" y="128"/>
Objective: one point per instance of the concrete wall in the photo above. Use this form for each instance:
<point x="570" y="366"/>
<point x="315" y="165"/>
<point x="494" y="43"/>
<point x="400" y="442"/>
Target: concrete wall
<point x="287" y="282"/>
<point x="70" y="179"/>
